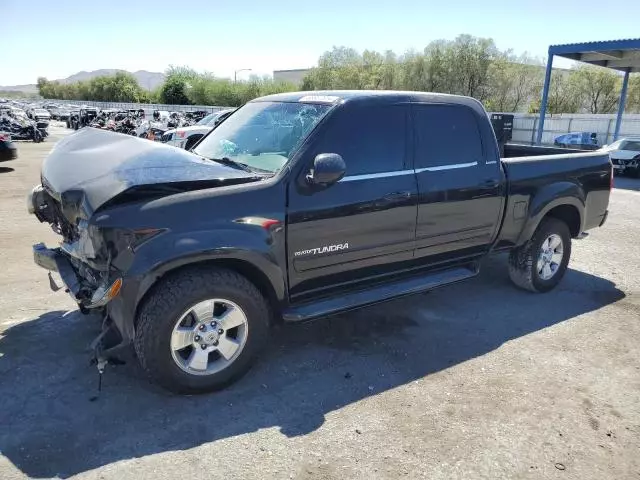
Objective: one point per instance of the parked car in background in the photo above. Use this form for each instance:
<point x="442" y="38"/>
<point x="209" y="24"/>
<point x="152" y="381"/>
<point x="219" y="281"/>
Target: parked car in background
<point x="60" y="113"/>
<point x="187" y="137"/>
<point x="39" y="114"/>
<point x="625" y="156"/>
<point x="580" y="140"/>
<point x="8" y="150"/>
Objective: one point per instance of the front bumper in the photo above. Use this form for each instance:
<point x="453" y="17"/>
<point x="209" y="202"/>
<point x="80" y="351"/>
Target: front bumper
<point x="89" y="294"/>
<point x="622" y="165"/>
<point x="54" y="260"/>
<point x="120" y="307"/>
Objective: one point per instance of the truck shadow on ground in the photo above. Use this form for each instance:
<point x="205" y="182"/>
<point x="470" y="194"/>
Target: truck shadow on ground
<point x="51" y="428"/>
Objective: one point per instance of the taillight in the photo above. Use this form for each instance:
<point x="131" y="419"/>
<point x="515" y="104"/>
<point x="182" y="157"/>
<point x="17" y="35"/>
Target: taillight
<point x="611" y="178"/>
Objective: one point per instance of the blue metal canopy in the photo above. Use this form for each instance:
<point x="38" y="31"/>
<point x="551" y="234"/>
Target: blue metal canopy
<point x="622" y="55"/>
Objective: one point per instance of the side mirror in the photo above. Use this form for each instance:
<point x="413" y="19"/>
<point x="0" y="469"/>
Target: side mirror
<point x="328" y="168"/>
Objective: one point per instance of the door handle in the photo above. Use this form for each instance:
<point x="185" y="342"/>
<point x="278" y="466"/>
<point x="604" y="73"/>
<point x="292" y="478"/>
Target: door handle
<point x="396" y="196"/>
<point x="490" y="183"/>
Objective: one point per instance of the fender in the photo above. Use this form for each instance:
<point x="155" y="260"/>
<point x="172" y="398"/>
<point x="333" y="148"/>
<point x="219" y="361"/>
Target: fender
<point x="263" y="250"/>
<point x="548" y="198"/>
<point x="253" y="245"/>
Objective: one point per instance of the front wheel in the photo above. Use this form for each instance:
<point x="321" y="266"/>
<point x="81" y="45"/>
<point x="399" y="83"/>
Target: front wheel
<point x="540" y="264"/>
<point x="201" y="330"/>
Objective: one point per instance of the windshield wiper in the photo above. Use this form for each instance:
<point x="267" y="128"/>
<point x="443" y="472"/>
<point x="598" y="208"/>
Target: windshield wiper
<point x="232" y="163"/>
<point x="241" y="166"/>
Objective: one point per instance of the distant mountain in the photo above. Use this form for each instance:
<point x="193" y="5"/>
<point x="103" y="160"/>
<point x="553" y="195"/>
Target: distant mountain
<point x="148" y="80"/>
<point x="20" y="88"/>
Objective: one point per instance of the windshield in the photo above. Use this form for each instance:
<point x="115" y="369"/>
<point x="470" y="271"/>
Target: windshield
<point x="208" y="119"/>
<point x="262" y="135"/>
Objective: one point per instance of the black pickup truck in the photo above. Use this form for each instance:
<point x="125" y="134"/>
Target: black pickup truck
<point x="298" y="206"/>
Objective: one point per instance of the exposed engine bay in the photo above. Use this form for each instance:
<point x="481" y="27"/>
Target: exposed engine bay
<point x="47" y="210"/>
<point x="91" y="270"/>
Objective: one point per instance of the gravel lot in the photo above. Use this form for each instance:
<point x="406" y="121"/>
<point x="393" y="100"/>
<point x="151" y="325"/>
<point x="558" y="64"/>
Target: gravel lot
<point x="478" y="380"/>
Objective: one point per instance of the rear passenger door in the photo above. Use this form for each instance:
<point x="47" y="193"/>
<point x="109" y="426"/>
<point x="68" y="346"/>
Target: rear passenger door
<point x="364" y="225"/>
<point x="461" y="191"/>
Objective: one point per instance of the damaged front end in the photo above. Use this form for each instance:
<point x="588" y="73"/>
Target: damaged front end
<point x="90" y="261"/>
<point x="93" y="183"/>
<point x="82" y="260"/>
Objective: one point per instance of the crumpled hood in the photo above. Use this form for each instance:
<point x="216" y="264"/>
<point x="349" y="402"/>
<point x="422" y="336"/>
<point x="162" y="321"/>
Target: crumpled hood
<point x="91" y="166"/>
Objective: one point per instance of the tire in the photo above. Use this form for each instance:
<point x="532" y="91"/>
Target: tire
<point x="168" y="303"/>
<point x="523" y="261"/>
<point x="191" y="141"/>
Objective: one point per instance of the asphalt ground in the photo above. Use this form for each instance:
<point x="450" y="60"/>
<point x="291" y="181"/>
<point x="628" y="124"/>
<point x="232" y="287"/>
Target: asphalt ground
<point x="478" y="380"/>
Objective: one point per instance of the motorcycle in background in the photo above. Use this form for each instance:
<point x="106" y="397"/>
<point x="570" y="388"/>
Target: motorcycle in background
<point x="21" y="128"/>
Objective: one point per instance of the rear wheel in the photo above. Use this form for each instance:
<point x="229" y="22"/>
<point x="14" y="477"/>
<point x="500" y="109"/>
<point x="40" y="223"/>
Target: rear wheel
<point x="540" y="264"/>
<point x="201" y="329"/>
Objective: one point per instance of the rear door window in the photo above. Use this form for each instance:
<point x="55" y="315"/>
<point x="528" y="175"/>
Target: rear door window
<point x="445" y="136"/>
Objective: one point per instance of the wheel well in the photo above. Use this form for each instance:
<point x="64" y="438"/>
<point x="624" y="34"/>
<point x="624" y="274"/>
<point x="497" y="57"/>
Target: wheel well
<point x="193" y="139"/>
<point x="244" y="268"/>
<point x="569" y="215"/>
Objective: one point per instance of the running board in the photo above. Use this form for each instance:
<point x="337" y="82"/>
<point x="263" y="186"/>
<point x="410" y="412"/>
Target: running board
<point x="376" y="294"/>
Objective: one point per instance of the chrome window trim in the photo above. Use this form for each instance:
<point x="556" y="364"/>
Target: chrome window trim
<point x="369" y="176"/>
<point x="447" y="167"/>
<point x="396" y="173"/>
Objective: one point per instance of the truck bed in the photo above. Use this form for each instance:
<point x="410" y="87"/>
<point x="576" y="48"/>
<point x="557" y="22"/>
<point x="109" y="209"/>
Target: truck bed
<point x="512" y="150"/>
<point x="536" y="180"/>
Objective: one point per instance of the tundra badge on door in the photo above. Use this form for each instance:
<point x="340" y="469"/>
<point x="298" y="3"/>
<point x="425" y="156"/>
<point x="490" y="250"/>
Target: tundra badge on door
<point x="325" y="249"/>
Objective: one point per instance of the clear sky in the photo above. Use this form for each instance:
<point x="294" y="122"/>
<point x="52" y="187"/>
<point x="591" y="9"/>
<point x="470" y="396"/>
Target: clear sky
<point x="56" y="38"/>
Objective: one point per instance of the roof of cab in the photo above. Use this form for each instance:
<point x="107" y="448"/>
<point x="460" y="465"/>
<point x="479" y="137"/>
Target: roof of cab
<point x="344" y="96"/>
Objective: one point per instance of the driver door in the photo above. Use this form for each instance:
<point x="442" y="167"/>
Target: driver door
<point x="363" y="226"/>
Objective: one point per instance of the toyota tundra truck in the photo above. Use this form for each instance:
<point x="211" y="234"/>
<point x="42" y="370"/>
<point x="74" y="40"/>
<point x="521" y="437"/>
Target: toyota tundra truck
<point x="299" y="206"/>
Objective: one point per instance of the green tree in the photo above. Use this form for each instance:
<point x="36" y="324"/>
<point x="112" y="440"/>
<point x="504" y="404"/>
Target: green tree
<point x="173" y="91"/>
<point x="175" y="88"/>
<point x="563" y="96"/>
<point x="598" y="88"/>
<point x="512" y="84"/>
<point x="633" y="94"/>
<point x="459" y="66"/>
